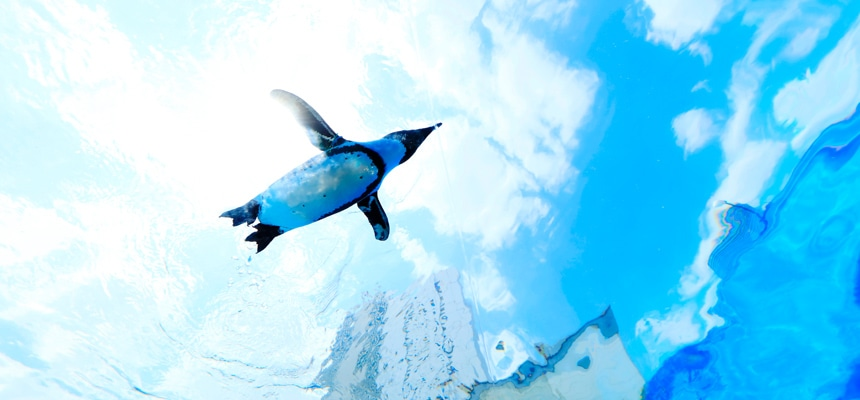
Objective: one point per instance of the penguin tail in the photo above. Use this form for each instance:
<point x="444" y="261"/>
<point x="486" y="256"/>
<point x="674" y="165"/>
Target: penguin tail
<point x="245" y="214"/>
<point x="264" y="235"/>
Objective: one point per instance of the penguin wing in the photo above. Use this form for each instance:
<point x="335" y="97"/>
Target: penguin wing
<point x="318" y="131"/>
<point x="372" y="209"/>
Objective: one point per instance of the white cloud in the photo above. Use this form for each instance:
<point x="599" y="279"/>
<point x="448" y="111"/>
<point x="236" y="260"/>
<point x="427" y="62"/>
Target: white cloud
<point x="810" y="22"/>
<point x="802" y="44"/>
<point x="701" y="49"/>
<point x="694" y="129"/>
<point x="553" y="11"/>
<point x="701" y="85"/>
<point x="85" y="50"/>
<point x="105" y="238"/>
<point x="745" y="181"/>
<point x="833" y="89"/>
<point x="678" y="22"/>
<point x="746" y="178"/>
<point x="468" y="186"/>
<point x="488" y="287"/>
<point x="496" y="155"/>
<point x="749" y="164"/>
<point x="413" y="251"/>
<point x="14" y="371"/>
<point x="676" y="328"/>
<point x="28" y="232"/>
<point x="557" y="13"/>
<point x="664" y="332"/>
<point x="749" y="172"/>
<point x="699" y="274"/>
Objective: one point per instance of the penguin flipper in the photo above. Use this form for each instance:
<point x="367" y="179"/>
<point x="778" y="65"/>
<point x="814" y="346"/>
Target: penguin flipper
<point x="318" y="131"/>
<point x="264" y="235"/>
<point x="245" y="214"/>
<point x="372" y="209"/>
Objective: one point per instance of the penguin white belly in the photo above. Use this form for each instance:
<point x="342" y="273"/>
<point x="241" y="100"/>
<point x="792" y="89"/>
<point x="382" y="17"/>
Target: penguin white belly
<point x="318" y="188"/>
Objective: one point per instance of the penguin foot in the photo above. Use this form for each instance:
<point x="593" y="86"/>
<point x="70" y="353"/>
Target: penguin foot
<point x="246" y="214"/>
<point x="264" y="235"/>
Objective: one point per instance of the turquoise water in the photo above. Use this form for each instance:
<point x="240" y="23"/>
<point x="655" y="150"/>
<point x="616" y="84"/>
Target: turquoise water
<point x="625" y="199"/>
<point x="790" y="290"/>
<point x="789" y="293"/>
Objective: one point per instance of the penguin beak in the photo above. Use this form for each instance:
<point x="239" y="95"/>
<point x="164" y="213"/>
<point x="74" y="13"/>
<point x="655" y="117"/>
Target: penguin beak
<point x="411" y="139"/>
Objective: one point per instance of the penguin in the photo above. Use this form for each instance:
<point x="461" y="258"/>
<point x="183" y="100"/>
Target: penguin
<point x="345" y="173"/>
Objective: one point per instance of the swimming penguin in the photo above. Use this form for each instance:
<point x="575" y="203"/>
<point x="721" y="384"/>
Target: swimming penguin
<point x="346" y="173"/>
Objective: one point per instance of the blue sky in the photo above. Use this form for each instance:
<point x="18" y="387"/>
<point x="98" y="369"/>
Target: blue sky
<point x="586" y="153"/>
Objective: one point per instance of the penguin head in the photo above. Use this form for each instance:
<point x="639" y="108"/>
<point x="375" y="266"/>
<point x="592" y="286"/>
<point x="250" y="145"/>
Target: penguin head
<point x="411" y="139"/>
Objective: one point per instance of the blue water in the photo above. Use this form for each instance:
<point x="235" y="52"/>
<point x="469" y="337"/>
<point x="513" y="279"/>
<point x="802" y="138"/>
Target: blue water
<point x="790" y="290"/>
<point x="542" y="242"/>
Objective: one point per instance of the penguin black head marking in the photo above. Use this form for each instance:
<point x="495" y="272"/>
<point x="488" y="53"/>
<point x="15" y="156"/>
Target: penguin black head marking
<point x="411" y="139"/>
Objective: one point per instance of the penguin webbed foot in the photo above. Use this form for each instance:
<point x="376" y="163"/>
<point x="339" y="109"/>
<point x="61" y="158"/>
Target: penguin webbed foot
<point x="245" y="214"/>
<point x="264" y="235"/>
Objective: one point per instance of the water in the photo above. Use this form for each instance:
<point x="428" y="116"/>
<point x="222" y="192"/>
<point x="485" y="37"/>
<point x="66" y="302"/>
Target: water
<point x="626" y="199"/>
<point x="789" y="290"/>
